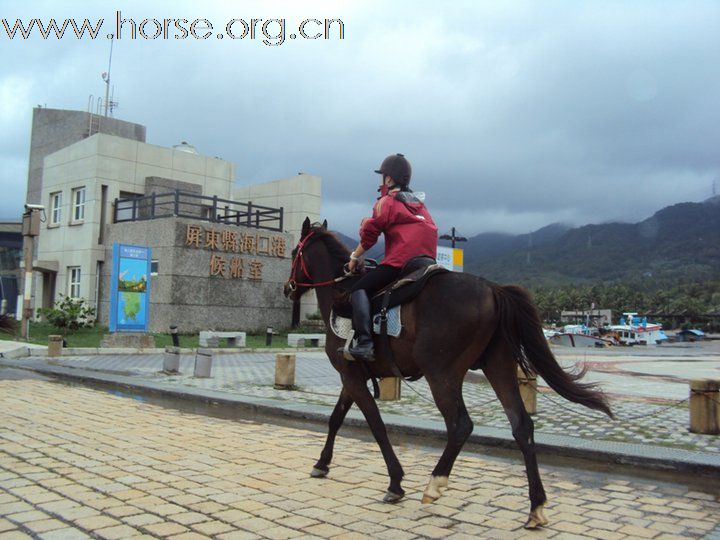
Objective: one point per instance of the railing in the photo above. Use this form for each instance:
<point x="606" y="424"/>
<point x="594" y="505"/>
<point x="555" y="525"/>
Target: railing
<point x="192" y="205"/>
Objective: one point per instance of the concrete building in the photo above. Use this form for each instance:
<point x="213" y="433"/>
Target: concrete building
<point x="591" y="317"/>
<point x="54" y="129"/>
<point x="105" y="188"/>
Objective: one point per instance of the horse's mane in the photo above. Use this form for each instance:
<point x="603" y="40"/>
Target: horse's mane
<point x="335" y="247"/>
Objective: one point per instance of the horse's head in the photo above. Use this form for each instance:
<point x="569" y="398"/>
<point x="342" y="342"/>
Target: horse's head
<point x="316" y="260"/>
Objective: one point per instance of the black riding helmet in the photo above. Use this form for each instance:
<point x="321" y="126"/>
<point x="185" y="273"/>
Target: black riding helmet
<point x="398" y="168"/>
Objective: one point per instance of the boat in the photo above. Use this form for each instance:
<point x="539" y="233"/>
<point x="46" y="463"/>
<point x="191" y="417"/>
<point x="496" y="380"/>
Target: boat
<point x="635" y="330"/>
<point x="577" y="335"/>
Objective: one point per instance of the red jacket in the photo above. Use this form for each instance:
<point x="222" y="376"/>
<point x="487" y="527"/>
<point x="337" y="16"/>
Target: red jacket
<point x="408" y="227"/>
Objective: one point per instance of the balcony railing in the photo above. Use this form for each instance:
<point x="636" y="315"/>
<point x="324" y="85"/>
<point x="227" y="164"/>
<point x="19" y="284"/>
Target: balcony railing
<point x="191" y="205"/>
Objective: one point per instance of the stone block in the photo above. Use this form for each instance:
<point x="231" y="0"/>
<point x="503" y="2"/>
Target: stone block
<point x="55" y="346"/>
<point x="203" y="363"/>
<point x="171" y="360"/>
<point x="705" y="406"/>
<point x="284" y="371"/>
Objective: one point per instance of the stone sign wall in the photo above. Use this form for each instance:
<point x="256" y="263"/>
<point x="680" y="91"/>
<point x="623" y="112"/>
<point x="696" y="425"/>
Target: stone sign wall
<point x="209" y="276"/>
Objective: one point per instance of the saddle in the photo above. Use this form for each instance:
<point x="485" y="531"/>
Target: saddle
<point x="410" y="282"/>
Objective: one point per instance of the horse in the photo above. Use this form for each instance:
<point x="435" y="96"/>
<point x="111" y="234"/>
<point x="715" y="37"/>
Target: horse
<point x="459" y="321"/>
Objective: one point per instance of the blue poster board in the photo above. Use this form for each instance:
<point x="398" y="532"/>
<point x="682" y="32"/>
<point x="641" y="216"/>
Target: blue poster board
<point x="130" y="289"/>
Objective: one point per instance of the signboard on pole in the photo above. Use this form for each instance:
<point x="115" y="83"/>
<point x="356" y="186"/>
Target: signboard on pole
<point x="450" y="258"/>
<point x="130" y="288"/>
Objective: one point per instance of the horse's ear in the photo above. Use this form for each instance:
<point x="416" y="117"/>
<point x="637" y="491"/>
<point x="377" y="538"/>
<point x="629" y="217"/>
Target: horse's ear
<point x="306" y="226"/>
<point x="324" y="225"/>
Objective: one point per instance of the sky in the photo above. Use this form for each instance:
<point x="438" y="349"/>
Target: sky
<point x="513" y="114"/>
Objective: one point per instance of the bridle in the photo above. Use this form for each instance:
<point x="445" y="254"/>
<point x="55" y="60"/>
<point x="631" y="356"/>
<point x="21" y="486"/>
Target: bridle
<point x="298" y="260"/>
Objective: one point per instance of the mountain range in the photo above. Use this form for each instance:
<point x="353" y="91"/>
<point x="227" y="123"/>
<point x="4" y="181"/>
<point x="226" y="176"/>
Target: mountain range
<point x="678" y="243"/>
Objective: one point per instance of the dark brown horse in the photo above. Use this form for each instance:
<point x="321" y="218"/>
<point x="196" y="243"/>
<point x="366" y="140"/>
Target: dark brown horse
<point x="459" y="321"/>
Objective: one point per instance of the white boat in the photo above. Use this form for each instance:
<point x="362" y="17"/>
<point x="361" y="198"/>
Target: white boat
<point x="578" y="335"/>
<point x="634" y="330"/>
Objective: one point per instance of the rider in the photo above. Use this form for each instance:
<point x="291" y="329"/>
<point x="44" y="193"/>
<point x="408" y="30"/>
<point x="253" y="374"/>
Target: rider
<point x="409" y="232"/>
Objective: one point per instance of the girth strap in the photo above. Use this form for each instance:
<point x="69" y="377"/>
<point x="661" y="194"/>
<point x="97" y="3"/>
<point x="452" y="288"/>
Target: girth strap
<point x="385" y="339"/>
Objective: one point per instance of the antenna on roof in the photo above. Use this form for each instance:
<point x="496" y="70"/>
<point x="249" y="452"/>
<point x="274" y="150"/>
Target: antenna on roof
<point x="109" y="104"/>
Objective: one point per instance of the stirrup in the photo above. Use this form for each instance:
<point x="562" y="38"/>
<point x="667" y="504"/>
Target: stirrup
<point x="345" y="350"/>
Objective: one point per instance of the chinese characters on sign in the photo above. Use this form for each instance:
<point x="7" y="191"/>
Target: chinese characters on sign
<point x="231" y="242"/>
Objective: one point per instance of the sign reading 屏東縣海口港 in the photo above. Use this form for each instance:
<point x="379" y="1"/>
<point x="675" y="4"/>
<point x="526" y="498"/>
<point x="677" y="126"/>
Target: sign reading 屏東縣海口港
<point x="130" y="289"/>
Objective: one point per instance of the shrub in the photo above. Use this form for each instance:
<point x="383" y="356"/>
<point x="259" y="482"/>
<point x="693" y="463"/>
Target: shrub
<point x="69" y="314"/>
<point x="8" y="323"/>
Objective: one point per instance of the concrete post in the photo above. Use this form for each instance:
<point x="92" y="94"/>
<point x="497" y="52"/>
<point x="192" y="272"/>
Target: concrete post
<point x="171" y="360"/>
<point x="389" y="389"/>
<point x="705" y="406"/>
<point x="203" y="363"/>
<point x="528" y="390"/>
<point x="284" y="371"/>
<point x="55" y="345"/>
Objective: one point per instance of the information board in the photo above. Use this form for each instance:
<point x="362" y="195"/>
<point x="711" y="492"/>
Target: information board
<point x="130" y="288"/>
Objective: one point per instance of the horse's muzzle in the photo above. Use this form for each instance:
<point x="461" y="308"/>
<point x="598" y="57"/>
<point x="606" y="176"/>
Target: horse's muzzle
<point x="289" y="289"/>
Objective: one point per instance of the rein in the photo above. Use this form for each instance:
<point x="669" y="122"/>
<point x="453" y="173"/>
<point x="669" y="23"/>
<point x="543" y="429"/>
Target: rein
<point x="294" y="284"/>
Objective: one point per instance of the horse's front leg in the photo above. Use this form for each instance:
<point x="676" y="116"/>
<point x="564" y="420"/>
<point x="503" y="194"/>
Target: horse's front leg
<point x="322" y="467"/>
<point x="356" y="384"/>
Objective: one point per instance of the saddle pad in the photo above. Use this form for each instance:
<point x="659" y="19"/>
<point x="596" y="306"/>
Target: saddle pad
<point x="342" y="326"/>
<point x="394" y="325"/>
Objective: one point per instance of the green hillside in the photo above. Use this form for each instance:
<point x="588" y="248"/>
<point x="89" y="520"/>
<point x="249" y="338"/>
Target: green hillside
<point x="678" y="243"/>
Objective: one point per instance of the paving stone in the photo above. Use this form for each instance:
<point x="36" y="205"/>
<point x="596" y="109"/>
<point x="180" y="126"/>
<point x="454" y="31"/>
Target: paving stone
<point x="256" y="477"/>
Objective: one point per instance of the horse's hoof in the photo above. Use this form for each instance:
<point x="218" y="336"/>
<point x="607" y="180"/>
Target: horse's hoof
<point x="392" y="498"/>
<point x="318" y="473"/>
<point x="537" y="518"/>
<point x="434" y="489"/>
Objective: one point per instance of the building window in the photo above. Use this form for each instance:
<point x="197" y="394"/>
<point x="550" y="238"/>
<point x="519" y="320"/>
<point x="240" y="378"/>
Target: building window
<point x="154" y="267"/>
<point x="78" y="200"/>
<point x="74" y="281"/>
<point x="55" y="208"/>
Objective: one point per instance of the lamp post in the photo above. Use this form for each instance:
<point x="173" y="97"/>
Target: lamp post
<point x="30" y="229"/>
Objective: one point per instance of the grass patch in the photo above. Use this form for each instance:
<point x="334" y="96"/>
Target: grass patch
<point x="92" y="337"/>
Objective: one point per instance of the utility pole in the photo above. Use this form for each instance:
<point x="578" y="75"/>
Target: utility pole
<point x="30" y="229"/>
<point x="453" y="238"/>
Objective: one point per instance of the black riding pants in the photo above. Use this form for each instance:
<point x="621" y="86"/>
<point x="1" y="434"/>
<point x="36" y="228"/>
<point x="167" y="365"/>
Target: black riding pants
<point x="376" y="279"/>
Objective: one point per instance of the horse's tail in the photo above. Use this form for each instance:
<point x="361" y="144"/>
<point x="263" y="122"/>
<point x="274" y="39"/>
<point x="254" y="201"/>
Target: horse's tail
<point x="520" y="326"/>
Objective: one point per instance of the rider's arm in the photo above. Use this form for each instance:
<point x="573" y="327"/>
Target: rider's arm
<point x="372" y="227"/>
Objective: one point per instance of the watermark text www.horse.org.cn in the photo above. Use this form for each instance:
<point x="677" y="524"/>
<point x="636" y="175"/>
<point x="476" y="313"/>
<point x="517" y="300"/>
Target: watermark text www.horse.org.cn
<point x="271" y="32"/>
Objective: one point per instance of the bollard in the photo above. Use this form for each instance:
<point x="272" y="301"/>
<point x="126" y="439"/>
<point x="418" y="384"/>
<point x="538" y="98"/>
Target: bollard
<point x="174" y="336"/>
<point x="268" y="336"/>
<point x="528" y="390"/>
<point x="284" y="371"/>
<point x="389" y="389"/>
<point x="171" y="360"/>
<point x="705" y="406"/>
<point x="203" y="363"/>
<point x="55" y="345"/>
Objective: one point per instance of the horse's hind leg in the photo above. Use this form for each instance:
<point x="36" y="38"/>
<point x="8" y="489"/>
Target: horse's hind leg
<point x="448" y="398"/>
<point x="501" y="370"/>
<point x="337" y="417"/>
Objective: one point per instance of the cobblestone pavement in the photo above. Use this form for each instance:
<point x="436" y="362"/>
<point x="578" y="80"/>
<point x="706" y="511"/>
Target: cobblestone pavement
<point x="639" y="420"/>
<point x="79" y="463"/>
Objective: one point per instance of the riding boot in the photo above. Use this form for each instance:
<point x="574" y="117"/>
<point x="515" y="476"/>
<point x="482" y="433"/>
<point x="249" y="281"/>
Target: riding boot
<point x="361" y="323"/>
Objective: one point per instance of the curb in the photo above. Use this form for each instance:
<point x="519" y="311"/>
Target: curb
<point x="607" y="452"/>
<point x="24" y="351"/>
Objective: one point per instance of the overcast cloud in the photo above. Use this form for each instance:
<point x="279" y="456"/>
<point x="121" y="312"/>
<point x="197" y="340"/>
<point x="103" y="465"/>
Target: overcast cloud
<point x="514" y="114"/>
